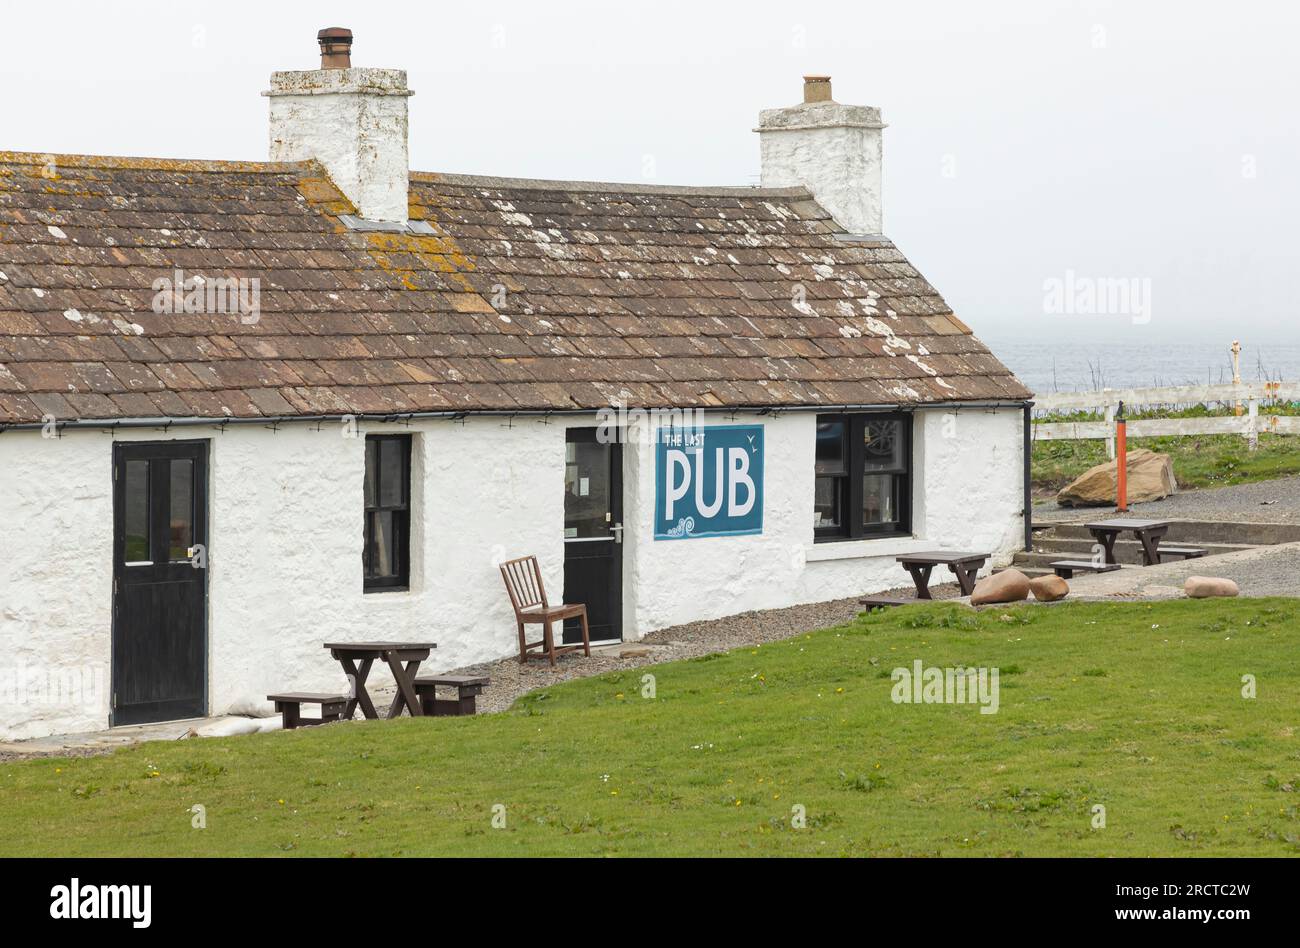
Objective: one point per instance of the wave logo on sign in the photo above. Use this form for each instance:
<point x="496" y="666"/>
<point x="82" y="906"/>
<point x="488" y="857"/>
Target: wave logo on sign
<point x="708" y="481"/>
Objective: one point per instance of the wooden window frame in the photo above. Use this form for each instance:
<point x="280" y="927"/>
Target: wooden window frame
<point x="401" y="580"/>
<point x="850" y="484"/>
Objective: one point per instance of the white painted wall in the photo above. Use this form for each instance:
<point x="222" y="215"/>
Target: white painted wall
<point x="967" y="495"/>
<point x="286" y="534"/>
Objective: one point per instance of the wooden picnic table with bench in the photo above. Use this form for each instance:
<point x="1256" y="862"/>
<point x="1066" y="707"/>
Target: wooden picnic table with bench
<point x="1148" y="533"/>
<point x="402" y="658"/>
<point x="964" y="566"/>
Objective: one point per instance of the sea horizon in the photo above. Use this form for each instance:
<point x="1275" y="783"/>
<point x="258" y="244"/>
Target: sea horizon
<point x="1081" y="366"/>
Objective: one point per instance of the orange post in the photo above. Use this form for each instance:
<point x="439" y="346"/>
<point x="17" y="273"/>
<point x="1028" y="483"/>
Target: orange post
<point x="1121" y="460"/>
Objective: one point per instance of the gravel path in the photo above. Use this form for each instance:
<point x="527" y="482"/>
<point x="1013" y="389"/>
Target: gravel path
<point x="1264" y="571"/>
<point x="1275" y="501"/>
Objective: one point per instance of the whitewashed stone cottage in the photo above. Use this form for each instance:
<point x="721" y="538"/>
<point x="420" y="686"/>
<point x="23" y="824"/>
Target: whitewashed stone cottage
<point x="249" y="407"/>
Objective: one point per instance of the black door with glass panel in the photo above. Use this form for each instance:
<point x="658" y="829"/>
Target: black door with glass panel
<point x="593" y="534"/>
<point x="160" y="539"/>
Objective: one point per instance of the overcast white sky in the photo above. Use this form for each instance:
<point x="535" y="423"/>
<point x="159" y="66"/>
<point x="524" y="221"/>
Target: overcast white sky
<point x="1027" y="138"/>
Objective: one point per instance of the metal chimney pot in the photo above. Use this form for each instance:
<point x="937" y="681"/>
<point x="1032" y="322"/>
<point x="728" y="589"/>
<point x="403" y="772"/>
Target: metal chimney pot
<point x="335" y="48"/>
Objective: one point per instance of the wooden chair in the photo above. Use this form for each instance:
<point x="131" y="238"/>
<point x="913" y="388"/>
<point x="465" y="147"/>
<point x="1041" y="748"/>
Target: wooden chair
<point x="528" y="596"/>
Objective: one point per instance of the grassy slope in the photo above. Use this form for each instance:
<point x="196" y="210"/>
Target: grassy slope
<point x="1135" y="706"/>
<point x="1199" y="460"/>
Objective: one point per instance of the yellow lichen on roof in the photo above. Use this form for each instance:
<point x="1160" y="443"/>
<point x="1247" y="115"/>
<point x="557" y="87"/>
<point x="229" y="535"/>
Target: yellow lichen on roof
<point x="148" y="164"/>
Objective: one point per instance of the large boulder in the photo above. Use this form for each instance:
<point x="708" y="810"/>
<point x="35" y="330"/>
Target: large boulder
<point x="1150" y="477"/>
<point x="1204" y="587"/>
<point x="1049" y="588"/>
<point x="1010" y="585"/>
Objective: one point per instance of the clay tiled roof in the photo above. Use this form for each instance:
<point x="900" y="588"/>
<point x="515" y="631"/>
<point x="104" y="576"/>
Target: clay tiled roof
<point x="522" y="296"/>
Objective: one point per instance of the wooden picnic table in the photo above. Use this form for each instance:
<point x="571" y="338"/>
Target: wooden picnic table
<point x="1148" y="533"/>
<point x="402" y="658"/>
<point x="964" y="566"/>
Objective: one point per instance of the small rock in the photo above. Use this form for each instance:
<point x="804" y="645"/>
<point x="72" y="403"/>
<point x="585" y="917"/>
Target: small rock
<point x="634" y="653"/>
<point x="1204" y="587"/>
<point x="1010" y="585"/>
<point x="1049" y="588"/>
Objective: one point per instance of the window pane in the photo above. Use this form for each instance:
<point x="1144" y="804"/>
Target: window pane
<point x="883" y="441"/>
<point x="830" y="447"/>
<point x="826" y="502"/>
<point x="878" y="499"/>
<point x="137" y="511"/>
<point x="586" y="490"/>
<point x="372" y="457"/>
<point x="386" y="551"/>
<point x="392" y="480"/>
<point x="382" y="555"/>
<point x="180" y="533"/>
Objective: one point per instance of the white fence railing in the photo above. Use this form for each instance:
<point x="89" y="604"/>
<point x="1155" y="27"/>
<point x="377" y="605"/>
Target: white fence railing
<point x="1249" y="424"/>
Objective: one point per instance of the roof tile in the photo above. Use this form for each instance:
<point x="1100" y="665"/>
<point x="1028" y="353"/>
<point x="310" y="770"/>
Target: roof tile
<point x="528" y="296"/>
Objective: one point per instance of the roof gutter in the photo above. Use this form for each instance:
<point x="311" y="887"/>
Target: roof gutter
<point x="113" y="424"/>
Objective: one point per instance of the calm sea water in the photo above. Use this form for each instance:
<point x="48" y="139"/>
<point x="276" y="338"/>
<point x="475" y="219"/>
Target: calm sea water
<point x="1080" y="366"/>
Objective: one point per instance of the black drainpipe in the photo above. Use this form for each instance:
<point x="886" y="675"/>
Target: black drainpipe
<point x="1029" y="497"/>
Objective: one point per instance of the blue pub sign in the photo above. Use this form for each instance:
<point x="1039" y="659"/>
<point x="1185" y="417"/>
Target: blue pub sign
<point x="708" y="481"/>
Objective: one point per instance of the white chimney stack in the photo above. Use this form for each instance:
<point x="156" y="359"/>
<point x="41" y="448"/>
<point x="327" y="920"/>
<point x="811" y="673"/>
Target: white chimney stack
<point x="351" y="120"/>
<point x="832" y="150"/>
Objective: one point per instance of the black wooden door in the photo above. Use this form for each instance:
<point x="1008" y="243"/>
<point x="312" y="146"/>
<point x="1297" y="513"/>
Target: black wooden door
<point x="160" y="542"/>
<point x="593" y="533"/>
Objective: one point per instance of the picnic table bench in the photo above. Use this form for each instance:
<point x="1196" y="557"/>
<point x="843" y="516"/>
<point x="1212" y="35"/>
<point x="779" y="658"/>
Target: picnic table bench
<point x="402" y="658"/>
<point x="964" y="566"/>
<point x="1180" y="552"/>
<point x="1148" y="533"/>
<point x="1067" y="568"/>
<point x="289" y="705"/>
<point x="873" y="603"/>
<point x="467" y="688"/>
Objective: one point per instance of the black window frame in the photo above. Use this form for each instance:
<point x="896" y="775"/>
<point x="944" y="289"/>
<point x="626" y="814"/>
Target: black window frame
<point x="401" y="579"/>
<point x="849" y="487"/>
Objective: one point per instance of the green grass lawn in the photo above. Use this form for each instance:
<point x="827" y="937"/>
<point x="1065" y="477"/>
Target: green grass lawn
<point x="1199" y="460"/>
<point x="1133" y="706"/>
